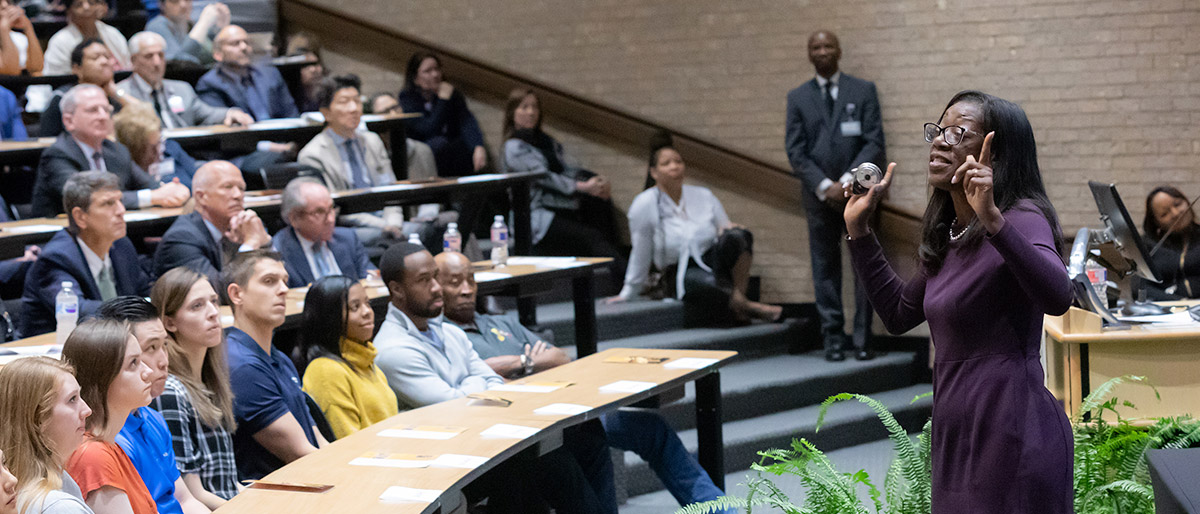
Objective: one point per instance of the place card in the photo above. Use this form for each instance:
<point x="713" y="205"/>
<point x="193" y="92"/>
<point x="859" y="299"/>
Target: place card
<point x="506" y="431"/>
<point x="423" y="432"/>
<point x="398" y="494"/>
<point x="532" y="387"/>
<point x="627" y="386"/>
<point x="140" y="216"/>
<point x="636" y="359"/>
<point x="451" y="460"/>
<point x="484" y="276"/>
<point x="30" y="229"/>
<point x="395" y="460"/>
<point x="690" y="363"/>
<point x="562" y="409"/>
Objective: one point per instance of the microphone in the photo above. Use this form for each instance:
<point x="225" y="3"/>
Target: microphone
<point x="864" y="176"/>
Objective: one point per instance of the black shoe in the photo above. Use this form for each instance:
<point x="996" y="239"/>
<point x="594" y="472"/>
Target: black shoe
<point x="864" y="355"/>
<point x="835" y="355"/>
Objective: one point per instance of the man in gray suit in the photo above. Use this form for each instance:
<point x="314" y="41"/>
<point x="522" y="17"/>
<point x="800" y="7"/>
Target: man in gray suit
<point x="351" y="157"/>
<point x="84" y="146"/>
<point x="174" y="101"/>
<point x="833" y="125"/>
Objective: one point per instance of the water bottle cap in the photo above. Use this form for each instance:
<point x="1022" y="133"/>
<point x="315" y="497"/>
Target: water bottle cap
<point x="500" y="218"/>
<point x="452" y="225"/>
<point x="66" y="284"/>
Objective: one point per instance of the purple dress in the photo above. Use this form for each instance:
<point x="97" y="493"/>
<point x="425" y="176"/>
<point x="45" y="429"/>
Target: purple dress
<point x="1001" y="442"/>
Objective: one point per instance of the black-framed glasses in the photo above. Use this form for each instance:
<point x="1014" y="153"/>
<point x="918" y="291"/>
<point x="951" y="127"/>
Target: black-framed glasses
<point x="952" y="135"/>
<point x="322" y="212"/>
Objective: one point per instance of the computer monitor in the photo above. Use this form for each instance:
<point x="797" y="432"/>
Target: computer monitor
<point x="1122" y="229"/>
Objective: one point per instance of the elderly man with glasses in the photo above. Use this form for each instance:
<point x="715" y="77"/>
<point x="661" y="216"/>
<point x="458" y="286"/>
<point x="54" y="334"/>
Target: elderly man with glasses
<point x="312" y="246"/>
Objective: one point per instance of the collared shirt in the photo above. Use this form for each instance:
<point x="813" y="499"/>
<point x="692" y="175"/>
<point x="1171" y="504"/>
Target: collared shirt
<point x="147" y="442"/>
<point x="200" y="449"/>
<point x="218" y="236"/>
<point x="144" y="196"/>
<point x="164" y="110"/>
<point x="95" y="263"/>
<point x="498" y="336"/>
<point x="258" y="88"/>
<point x="665" y="233"/>
<point x="347" y="168"/>
<point x="836" y="79"/>
<point x="265" y="387"/>
<point x="312" y="255"/>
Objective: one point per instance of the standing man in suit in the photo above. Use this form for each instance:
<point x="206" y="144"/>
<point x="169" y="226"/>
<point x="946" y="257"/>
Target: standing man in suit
<point x="354" y="158"/>
<point x="312" y="247"/>
<point x="236" y="82"/>
<point x="87" y="116"/>
<point x="92" y="253"/>
<point x="833" y="125"/>
<point x="220" y="227"/>
<point x="174" y="101"/>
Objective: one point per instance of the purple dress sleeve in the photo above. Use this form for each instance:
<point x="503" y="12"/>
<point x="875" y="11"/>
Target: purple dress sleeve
<point x="1026" y="243"/>
<point x="899" y="304"/>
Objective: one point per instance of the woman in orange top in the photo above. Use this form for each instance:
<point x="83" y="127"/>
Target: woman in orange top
<point x="114" y="381"/>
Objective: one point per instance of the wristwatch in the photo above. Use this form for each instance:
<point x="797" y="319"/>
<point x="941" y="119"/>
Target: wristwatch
<point x="526" y="364"/>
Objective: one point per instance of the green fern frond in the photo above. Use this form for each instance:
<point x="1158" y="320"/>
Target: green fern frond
<point x="1097" y="398"/>
<point x="722" y="503"/>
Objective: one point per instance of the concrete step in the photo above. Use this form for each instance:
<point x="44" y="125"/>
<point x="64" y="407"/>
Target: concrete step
<point x="847" y="424"/>
<point x="613" y="320"/>
<point x="749" y="341"/>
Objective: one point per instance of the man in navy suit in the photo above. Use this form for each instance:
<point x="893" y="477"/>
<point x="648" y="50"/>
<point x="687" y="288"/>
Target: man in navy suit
<point x="92" y="253"/>
<point x="833" y="125"/>
<point x="235" y="82"/>
<point x="312" y="246"/>
<point x="87" y="116"/>
<point x="219" y="228"/>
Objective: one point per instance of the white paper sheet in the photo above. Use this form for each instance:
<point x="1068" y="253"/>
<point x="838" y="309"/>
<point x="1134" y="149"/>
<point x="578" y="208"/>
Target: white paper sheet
<point x="32" y="229"/>
<point x="478" y="178"/>
<point x="390" y="463"/>
<point x="506" y="431"/>
<point x="140" y="216"/>
<point x="398" y="494"/>
<point x="451" y="460"/>
<point x="690" y="363"/>
<point x="484" y="276"/>
<point x="626" y="386"/>
<point x="522" y="388"/>
<point x="41" y="349"/>
<point x="562" y="409"/>
<point x="408" y="433"/>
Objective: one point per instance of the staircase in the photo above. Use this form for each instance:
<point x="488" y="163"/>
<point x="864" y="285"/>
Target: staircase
<point x="771" y="393"/>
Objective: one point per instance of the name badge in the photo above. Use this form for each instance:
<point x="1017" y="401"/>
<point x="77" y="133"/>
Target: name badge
<point x="176" y="104"/>
<point x="851" y="128"/>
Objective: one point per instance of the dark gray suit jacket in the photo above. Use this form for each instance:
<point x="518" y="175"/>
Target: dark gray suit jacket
<point x="816" y="147"/>
<point x="64" y="158"/>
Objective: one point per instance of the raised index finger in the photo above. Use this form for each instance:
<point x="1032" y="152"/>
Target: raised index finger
<point x="985" y="153"/>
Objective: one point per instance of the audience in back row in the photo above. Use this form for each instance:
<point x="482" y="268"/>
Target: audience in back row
<point x="184" y="40"/>
<point x="91" y="63"/>
<point x="162" y="159"/>
<point x="237" y="82"/>
<point x="11" y="126"/>
<point x="174" y="101"/>
<point x="445" y="124"/>
<point x="92" y="254"/>
<point x="20" y="50"/>
<point x="311" y="246"/>
<point x="83" y="22"/>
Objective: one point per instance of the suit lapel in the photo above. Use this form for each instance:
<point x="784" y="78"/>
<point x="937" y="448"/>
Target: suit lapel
<point x="212" y="248"/>
<point x="297" y="256"/>
<point x="333" y="161"/>
<point x="342" y="255"/>
<point x="87" y="282"/>
<point x="74" y="151"/>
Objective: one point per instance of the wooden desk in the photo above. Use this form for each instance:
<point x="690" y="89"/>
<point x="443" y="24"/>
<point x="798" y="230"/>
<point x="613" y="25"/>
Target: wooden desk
<point x="155" y="221"/>
<point x="357" y="488"/>
<point x="1081" y="356"/>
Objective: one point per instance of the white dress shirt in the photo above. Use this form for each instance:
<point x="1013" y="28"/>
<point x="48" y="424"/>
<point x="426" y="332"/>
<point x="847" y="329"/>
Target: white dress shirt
<point x="665" y="233"/>
<point x="95" y="264"/>
<point x="145" y="197"/>
<point x="312" y="255"/>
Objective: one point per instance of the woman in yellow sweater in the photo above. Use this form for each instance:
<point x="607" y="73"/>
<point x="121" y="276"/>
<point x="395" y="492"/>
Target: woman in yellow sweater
<point x="341" y="375"/>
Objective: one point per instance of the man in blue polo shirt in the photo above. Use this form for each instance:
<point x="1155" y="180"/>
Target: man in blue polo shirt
<point x="145" y="438"/>
<point x="275" y="426"/>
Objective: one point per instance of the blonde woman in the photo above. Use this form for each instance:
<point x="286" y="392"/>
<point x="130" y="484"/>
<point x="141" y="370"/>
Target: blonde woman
<point x="140" y="130"/>
<point x="43" y="418"/>
<point x="8" y="489"/>
<point x="197" y="403"/>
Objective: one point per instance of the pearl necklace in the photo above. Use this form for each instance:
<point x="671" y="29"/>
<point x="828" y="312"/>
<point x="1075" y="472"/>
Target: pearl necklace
<point x="955" y="237"/>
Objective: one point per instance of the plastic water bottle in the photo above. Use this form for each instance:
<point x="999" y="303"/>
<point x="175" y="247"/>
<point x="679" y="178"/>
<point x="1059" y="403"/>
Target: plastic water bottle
<point x="415" y="239"/>
<point x="1098" y="276"/>
<point x="66" y="312"/>
<point x="452" y="240"/>
<point x="499" y="241"/>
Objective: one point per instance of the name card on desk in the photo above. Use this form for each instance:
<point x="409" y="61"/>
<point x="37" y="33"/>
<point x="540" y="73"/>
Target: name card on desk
<point x="451" y="460"/>
<point x="506" y="431"/>
<point x="484" y="276"/>
<point x="32" y="229"/>
<point x="562" y="409"/>
<point x="626" y="386"/>
<point x="690" y="363"/>
<point x="532" y="387"/>
<point x="395" y="460"/>
<point x="398" y="494"/>
<point x="140" y="216"/>
<point x="440" y="433"/>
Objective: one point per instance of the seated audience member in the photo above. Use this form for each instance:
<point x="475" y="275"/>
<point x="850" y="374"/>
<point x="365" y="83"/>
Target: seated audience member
<point x="427" y="361"/>
<point x="513" y="351"/>
<point x="197" y="402"/>
<point x="420" y="164"/>
<point x="311" y="74"/>
<point x="114" y="382"/>
<point x="704" y="259"/>
<point x="571" y="212"/>
<point x="1176" y="263"/>
<point x="341" y="375"/>
<point x="174" y="101"/>
<point x="91" y="63"/>
<point x="353" y="158"/>
<point x="12" y="271"/>
<point x="83" y="22"/>
<point x="92" y="253"/>
<point x="42" y="414"/>
<point x="145" y="438"/>
<point x="183" y="40"/>
<point x="11" y="126"/>
<point x="164" y="160"/>
<point x="84" y="146"/>
<point x="274" y="425"/>
<point x="312" y="247"/>
<point x="218" y="229"/>
<point x="20" y="49"/>
<point x="237" y="82"/>
<point x="446" y="124"/>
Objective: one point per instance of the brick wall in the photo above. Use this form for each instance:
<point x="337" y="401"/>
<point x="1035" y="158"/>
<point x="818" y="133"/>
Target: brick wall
<point x="1110" y="86"/>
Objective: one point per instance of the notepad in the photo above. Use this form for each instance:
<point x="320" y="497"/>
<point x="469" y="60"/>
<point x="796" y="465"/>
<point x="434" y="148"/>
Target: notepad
<point x="395" y="460"/>
<point x="506" y="431"/>
<point x="398" y="494"/>
<point x="626" y="386"/>
<point x="451" y="460"/>
<point x="690" y="363"/>
<point x="423" y="432"/>
<point x="562" y="409"/>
